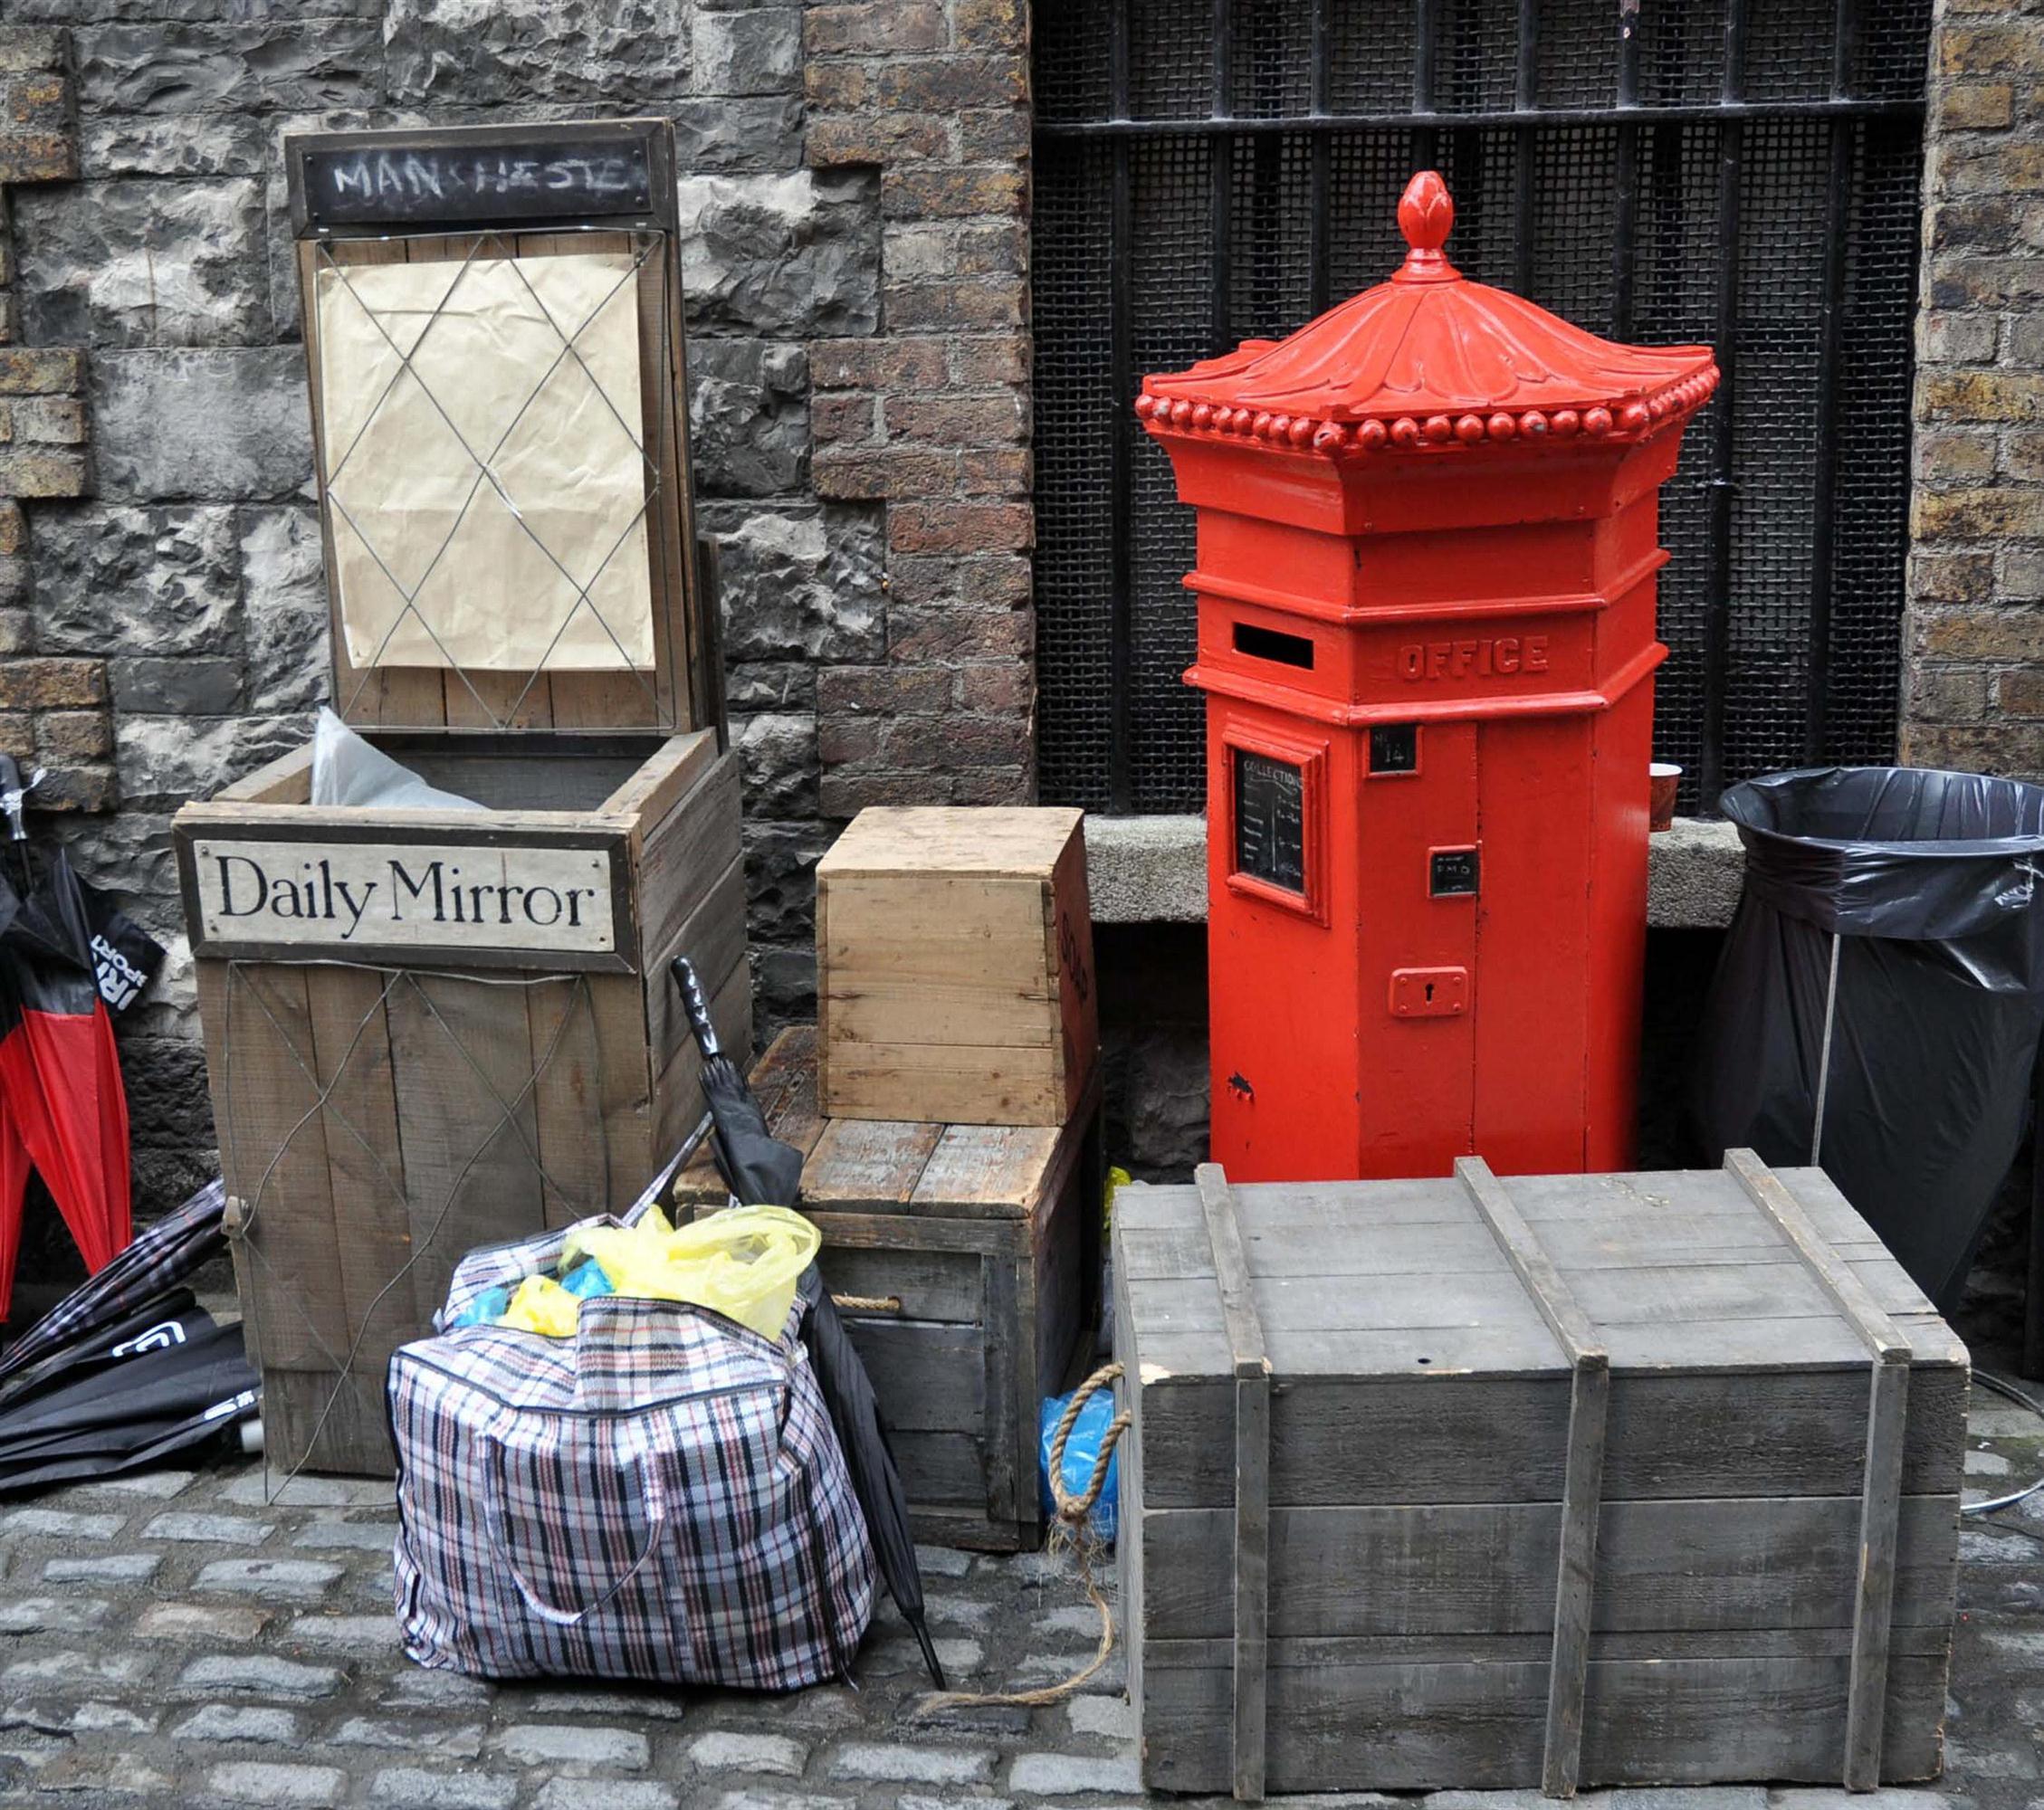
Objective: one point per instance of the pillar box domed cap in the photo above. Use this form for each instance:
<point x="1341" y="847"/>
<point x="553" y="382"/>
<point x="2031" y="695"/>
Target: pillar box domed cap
<point x="1430" y="363"/>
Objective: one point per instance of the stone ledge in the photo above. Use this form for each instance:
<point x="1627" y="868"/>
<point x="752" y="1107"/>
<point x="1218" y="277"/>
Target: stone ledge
<point x="1153" y="870"/>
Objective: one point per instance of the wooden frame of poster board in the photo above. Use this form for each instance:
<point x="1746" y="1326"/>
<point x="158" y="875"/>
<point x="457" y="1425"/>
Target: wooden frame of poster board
<point x="429" y="1030"/>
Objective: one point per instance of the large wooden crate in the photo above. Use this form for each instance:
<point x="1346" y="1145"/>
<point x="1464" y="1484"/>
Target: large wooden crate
<point x="1559" y="1480"/>
<point x="432" y="1029"/>
<point x="966" y="1261"/>
<point x="954" y="966"/>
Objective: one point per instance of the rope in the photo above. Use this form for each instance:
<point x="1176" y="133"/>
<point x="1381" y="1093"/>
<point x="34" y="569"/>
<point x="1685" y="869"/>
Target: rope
<point x="1071" y="1534"/>
<point x="867" y="1303"/>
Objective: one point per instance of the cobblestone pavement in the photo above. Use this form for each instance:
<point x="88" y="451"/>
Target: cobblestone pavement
<point x="176" y="1639"/>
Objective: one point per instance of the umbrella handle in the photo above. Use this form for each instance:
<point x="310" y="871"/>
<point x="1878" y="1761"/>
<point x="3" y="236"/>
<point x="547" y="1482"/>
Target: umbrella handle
<point x="696" y="1007"/>
<point x="493" y="1522"/>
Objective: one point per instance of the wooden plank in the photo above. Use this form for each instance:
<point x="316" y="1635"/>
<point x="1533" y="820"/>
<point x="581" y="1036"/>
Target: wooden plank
<point x="944" y="1285"/>
<point x="1009" y="1327"/>
<point x="286" y="780"/>
<point x="468" y="1164"/>
<point x="694" y="844"/>
<point x="364" y="1163"/>
<point x="1251" y="1566"/>
<point x="661" y="783"/>
<point x="1584" y="1473"/>
<point x="1725" y="1565"/>
<point x="274" y="1151"/>
<point x="1451" y="1722"/>
<point x="988" y="1170"/>
<point x="1886" y="1415"/>
<point x="568" y="1098"/>
<point x="713" y="937"/>
<point x="982" y="1085"/>
<point x="867" y="1165"/>
<point x="1503" y="1439"/>
<point x="929" y="1377"/>
<point x="1888" y="1410"/>
<point x="941" y="1469"/>
<point x="327" y="1422"/>
<point x="999" y="842"/>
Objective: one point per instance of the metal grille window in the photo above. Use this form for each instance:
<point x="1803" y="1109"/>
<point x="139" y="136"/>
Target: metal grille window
<point x="1720" y="171"/>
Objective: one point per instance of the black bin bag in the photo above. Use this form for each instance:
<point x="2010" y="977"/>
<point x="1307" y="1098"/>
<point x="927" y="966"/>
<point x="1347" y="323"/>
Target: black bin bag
<point x="1921" y="887"/>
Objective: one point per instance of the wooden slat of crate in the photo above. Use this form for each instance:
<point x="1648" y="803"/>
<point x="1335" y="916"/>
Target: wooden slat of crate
<point x="1661" y="1716"/>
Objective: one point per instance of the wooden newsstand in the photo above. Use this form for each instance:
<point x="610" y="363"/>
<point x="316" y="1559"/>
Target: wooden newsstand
<point x="430" y="1029"/>
<point x="965" y="1259"/>
<point x="1546" y="1481"/>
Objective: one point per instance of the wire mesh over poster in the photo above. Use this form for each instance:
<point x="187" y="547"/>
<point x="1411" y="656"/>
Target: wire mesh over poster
<point x="487" y="478"/>
<point x="1708" y="171"/>
<point x="494" y="336"/>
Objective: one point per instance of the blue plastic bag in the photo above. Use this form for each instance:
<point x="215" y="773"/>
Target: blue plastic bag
<point x="1081" y="1453"/>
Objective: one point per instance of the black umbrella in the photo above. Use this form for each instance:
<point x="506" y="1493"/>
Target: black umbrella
<point x="162" y="1256"/>
<point x="855" y="1411"/>
<point x="758" y="1168"/>
<point x="126" y="1370"/>
<point x="169" y="1379"/>
<point x="762" y="1171"/>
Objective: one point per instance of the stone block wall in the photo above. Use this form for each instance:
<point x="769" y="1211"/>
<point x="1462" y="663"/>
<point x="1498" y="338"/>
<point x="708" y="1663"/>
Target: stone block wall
<point x="53" y="707"/>
<point x="854" y="201"/>
<point x="1974" y="653"/>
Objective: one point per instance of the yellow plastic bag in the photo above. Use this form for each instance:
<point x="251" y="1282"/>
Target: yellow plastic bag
<point x="542" y="1305"/>
<point x="744" y="1261"/>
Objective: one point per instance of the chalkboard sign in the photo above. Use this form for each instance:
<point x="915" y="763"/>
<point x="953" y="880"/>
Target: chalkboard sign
<point x="583" y="173"/>
<point x="1270" y="821"/>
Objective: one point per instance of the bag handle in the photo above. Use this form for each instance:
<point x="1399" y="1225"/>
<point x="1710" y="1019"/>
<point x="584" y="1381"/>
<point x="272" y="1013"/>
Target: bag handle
<point x="493" y="1522"/>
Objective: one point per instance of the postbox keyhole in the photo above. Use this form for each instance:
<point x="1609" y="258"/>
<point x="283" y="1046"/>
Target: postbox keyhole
<point x="1430" y="993"/>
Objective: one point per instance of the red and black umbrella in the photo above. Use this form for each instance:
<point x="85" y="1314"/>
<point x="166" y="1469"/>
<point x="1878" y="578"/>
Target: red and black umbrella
<point x="63" y="1109"/>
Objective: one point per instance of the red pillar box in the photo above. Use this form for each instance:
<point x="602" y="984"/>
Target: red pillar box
<point x="1426" y="555"/>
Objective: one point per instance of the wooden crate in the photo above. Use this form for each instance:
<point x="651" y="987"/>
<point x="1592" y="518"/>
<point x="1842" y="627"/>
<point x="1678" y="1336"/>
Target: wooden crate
<point x="954" y="968"/>
<point x="967" y="1260"/>
<point x="432" y="1029"/>
<point x="387" y="1101"/>
<point x="1550" y="1481"/>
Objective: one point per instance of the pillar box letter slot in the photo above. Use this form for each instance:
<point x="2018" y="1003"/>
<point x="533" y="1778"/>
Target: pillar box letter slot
<point x="1454" y="494"/>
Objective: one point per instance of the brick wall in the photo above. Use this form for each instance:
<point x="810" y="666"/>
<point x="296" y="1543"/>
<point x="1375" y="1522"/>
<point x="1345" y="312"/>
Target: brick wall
<point x="1975" y="630"/>
<point x="854" y="196"/>
<point x="931" y="415"/>
<point x="52" y="709"/>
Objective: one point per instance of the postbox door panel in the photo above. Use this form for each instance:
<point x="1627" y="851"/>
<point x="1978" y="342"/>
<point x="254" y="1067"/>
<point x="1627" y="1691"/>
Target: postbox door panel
<point x="1423" y="873"/>
<point x="1281" y="948"/>
<point x="1533" y="937"/>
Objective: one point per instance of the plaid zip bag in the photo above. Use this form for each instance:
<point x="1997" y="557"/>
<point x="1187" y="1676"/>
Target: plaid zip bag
<point x="661" y="1497"/>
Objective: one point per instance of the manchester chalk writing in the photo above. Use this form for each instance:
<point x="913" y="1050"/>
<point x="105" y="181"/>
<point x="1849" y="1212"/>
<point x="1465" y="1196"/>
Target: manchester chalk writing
<point x="427" y="182"/>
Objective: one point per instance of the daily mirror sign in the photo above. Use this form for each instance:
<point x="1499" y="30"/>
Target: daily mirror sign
<point x="376" y="896"/>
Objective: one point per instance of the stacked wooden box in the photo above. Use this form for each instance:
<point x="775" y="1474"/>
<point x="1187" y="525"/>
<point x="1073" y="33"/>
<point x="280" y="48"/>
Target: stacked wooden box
<point x="954" y="968"/>
<point x="1546" y="1481"/>
<point x="966" y="1258"/>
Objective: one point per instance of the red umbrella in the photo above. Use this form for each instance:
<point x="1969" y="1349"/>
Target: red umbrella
<point x="63" y="1108"/>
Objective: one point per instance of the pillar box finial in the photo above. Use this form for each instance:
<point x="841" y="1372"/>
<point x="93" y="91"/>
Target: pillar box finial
<point x="1426" y="217"/>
